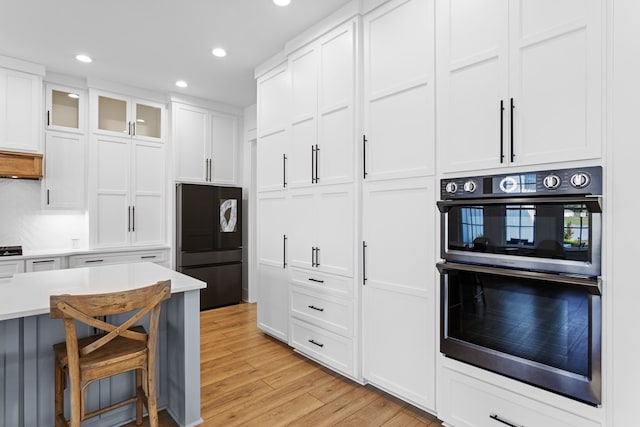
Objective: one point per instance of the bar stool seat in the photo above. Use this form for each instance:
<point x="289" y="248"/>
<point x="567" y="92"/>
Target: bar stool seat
<point x="122" y="348"/>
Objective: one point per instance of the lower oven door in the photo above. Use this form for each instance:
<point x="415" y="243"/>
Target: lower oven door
<point x="543" y="329"/>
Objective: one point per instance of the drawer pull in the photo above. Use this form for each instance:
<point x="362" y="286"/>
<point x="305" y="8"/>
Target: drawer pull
<point x="316" y="280"/>
<point x="503" y="421"/>
<point x="44" y="261"/>
<point x="93" y="260"/>
<point x="148" y="256"/>
<point x="316" y="343"/>
<point x="313" y="307"/>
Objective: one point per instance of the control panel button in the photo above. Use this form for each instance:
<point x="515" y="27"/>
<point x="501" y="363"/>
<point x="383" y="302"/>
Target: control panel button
<point x="470" y="186"/>
<point x="580" y="180"/>
<point x="551" y="182"/>
<point x="451" y="187"/>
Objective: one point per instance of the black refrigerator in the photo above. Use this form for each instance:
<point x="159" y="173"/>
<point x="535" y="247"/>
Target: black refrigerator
<point x="209" y="241"/>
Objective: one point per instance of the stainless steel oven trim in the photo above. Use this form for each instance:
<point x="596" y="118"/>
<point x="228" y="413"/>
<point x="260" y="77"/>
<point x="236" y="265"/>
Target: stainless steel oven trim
<point x="584" y="389"/>
<point x="539" y="264"/>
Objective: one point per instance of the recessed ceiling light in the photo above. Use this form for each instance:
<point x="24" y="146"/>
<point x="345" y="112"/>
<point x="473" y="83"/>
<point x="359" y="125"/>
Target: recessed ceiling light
<point x="282" y="2"/>
<point x="83" y="58"/>
<point x="73" y="95"/>
<point x="219" y="52"/>
<point x="181" y="83"/>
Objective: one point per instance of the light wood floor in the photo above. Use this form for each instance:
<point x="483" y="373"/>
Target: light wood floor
<point x="251" y="379"/>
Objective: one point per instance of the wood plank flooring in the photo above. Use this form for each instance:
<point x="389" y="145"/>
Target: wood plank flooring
<point x="251" y="379"/>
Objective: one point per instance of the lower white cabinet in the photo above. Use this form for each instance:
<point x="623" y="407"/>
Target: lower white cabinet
<point x="44" y="264"/>
<point x="104" y="258"/>
<point x="465" y="401"/>
<point x="273" y="301"/>
<point x="10" y="267"/>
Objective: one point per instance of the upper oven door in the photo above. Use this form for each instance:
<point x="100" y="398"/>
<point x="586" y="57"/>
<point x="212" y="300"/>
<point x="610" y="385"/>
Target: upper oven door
<point x="553" y="234"/>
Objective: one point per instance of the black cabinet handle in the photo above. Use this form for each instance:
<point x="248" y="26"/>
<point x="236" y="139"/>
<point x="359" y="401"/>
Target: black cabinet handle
<point x="48" y="118"/>
<point x="317" y="151"/>
<point x="316" y="343"/>
<point x="133" y="218"/>
<point x="44" y="261"/>
<point x="364" y="157"/>
<point x="313" y="307"/>
<point x="129" y="128"/>
<point x="317" y="256"/>
<point x="134" y="128"/>
<point x="313" y="256"/>
<point x="502" y="131"/>
<point x="503" y="421"/>
<point x="210" y="169"/>
<point x="48" y="200"/>
<point x="89" y="261"/>
<point x="364" y="263"/>
<point x="284" y="251"/>
<point x="313" y="155"/>
<point x="148" y="256"/>
<point x="206" y="169"/>
<point x="284" y="171"/>
<point x="513" y="154"/>
<point x="315" y="280"/>
<point x="129" y="219"/>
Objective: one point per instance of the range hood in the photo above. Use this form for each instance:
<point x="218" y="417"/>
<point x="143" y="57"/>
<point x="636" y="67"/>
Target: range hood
<point x="20" y="165"/>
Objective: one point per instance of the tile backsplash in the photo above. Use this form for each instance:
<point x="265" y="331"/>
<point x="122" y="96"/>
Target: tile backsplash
<point x="24" y="222"/>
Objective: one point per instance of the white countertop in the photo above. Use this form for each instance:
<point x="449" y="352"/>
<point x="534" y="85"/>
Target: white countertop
<point x="27" y="294"/>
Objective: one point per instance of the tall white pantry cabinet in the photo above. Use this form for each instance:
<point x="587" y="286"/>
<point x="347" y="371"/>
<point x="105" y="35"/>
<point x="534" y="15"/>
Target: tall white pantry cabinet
<point x="343" y="275"/>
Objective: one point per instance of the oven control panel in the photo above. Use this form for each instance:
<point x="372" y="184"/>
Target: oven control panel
<point x="584" y="181"/>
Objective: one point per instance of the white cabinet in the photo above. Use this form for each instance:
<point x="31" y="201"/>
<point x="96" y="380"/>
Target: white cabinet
<point x="127" y="192"/>
<point x="399" y="320"/>
<point x="323" y="110"/>
<point x="65" y="108"/>
<point x="466" y="401"/>
<point x="64" y="176"/>
<point x="44" y="264"/>
<point x="119" y="115"/>
<point x="322" y="230"/>
<point x="158" y="256"/>
<point x="10" y="267"/>
<point x="273" y="134"/>
<point x="20" y="111"/>
<point x="273" y="286"/>
<point x="206" y="144"/>
<point x="519" y="83"/>
<point x="399" y="90"/>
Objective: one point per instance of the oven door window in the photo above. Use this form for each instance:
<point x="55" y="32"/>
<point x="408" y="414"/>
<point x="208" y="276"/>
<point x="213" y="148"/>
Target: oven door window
<point x="552" y="231"/>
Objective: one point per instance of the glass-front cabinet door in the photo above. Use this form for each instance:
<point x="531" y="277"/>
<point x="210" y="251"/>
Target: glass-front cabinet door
<point x="118" y="115"/>
<point x="65" y="108"/>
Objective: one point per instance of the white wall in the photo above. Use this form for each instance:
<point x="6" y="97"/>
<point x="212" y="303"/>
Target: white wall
<point x="24" y="222"/>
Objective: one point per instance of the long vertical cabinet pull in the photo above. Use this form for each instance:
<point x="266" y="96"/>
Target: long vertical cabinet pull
<point x="284" y="170"/>
<point x="133" y="218"/>
<point x="364" y="263"/>
<point x="206" y="169"/>
<point x="284" y="251"/>
<point x="313" y="155"/>
<point x="129" y="219"/>
<point x="313" y="256"/>
<point x="48" y="199"/>
<point x="501" y="131"/>
<point x="48" y="117"/>
<point x="317" y="256"/>
<point x="317" y="151"/>
<point x="364" y="156"/>
<point x="513" y="155"/>
<point x="210" y="169"/>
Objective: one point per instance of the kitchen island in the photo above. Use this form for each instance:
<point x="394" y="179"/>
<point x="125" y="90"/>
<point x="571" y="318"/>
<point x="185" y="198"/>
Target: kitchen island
<point x="27" y="335"/>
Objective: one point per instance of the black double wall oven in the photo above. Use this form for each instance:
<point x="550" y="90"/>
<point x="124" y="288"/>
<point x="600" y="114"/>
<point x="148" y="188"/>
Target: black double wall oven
<point x="520" y="281"/>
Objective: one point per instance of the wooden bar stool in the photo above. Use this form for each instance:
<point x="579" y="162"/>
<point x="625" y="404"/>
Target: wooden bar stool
<point x="121" y="348"/>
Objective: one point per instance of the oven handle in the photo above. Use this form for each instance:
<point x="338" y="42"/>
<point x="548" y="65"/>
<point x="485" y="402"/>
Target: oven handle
<point x="593" y="285"/>
<point x="593" y="203"/>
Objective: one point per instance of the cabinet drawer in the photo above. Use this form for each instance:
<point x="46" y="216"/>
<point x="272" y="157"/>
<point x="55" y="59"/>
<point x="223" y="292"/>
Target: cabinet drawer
<point x="468" y="402"/>
<point x="43" y="264"/>
<point x="9" y="268"/>
<point x="334" y="314"/>
<point x="159" y="256"/>
<point x="331" y="349"/>
<point x="320" y="282"/>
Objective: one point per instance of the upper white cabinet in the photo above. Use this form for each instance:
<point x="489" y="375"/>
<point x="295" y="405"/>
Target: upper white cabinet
<point x="519" y="82"/>
<point x="322" y="79"/>
<point x="65" y="173"/>
<point x="273" y="124"/>
<point x="65" y="108"/>
<point x="206" y="144"/>
<point x="399" y="91"/>
<point x="20" y="110"/>
<point x="118" y="115"/>
<point x="127" y="193"/>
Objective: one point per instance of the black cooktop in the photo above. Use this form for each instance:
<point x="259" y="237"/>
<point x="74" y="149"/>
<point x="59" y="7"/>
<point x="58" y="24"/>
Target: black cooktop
<point x="10" y="250"/>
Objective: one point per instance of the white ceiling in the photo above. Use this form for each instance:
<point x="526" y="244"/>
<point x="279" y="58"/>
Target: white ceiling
<point x="152" y="43"/>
